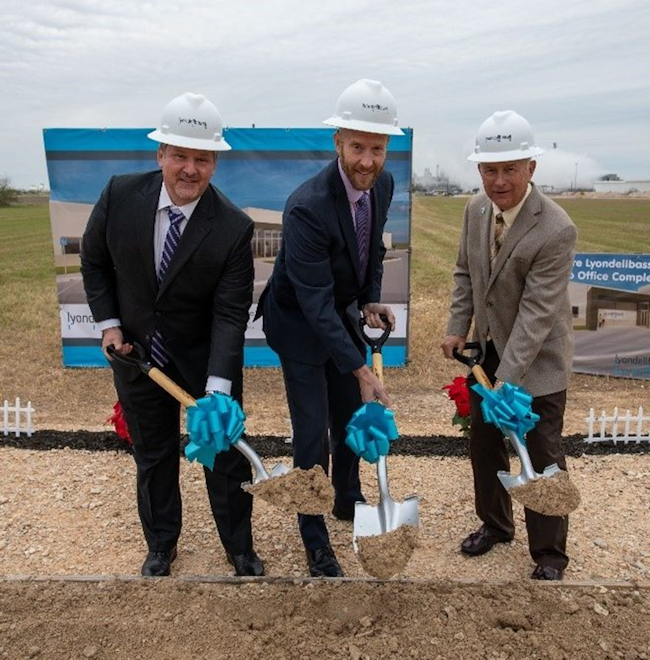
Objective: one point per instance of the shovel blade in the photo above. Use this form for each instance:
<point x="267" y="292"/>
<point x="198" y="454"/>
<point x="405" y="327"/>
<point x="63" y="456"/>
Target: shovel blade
<point x="279" y="470"/>
<point x="387" y="516"/>
<point x="508" y="481"/>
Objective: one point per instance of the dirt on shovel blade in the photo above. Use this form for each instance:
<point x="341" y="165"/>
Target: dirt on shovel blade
<point x="551" y="496"/>
<point x="301" y="491"/>
<point x="385" y="555"/>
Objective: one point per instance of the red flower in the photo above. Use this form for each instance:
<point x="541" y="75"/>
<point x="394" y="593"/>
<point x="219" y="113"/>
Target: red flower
<point x="459" y="394"/>
<point x="457" y="391"/>
<point x="119" y="422"/>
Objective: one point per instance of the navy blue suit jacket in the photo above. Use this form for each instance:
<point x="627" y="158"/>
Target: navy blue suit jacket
<point x="317" y="276"/>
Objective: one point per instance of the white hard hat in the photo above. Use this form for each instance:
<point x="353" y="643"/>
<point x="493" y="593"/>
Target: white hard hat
<point x="503" y="137"/>
<point x="193" y="122"/>
<point x="366" y="106"/>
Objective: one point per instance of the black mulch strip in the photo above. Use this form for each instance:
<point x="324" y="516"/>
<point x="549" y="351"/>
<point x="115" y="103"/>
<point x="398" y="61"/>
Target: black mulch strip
<point x="275" y="446"/>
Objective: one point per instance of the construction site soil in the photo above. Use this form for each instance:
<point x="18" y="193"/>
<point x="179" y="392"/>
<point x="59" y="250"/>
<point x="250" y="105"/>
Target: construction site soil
<point x="71" y="549"/>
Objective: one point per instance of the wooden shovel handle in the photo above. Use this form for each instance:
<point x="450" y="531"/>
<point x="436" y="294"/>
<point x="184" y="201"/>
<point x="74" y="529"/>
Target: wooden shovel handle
<point x="171" y="387"/>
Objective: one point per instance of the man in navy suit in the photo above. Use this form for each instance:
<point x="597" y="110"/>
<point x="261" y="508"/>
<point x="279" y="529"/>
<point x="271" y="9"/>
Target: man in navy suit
<point x="166" y="262"/>
<point x="328" y="271"/>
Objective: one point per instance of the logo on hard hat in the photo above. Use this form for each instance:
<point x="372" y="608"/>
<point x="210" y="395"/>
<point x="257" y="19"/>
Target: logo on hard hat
<point x="375" y="107"/>
<point x="196" y="122"/>
<point x="498" y="138"/>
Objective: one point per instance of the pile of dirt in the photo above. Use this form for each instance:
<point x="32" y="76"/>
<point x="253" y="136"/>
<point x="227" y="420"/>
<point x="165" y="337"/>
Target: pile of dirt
<point x="386" y="555"/>
<point x="301" y="491"/>
<point x="169" y="619"/>
<point x="556" y="495"/>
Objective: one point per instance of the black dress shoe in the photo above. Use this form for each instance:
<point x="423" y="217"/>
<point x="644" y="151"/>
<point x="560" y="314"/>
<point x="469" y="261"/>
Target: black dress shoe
<point x="158" y="564"/>
<point x="322" y="563"/>
<point x="480" y="542"/>
<point x="247" y="563"/>
<point x="547" y="573"/>
<point x="341" y="513"/>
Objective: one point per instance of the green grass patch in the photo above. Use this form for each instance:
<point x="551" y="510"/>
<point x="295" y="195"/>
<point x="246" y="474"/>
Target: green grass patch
<point x="27" y="261"/>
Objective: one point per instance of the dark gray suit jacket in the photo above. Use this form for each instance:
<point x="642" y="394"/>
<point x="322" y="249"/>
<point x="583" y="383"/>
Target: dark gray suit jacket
<point x="523" y="302"/>
<point x="202" y="306"/>
<point x="316" y="275"/>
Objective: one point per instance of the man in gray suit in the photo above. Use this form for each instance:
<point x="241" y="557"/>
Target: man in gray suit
<point x="166" y="262"/>
<point x="511" y="279"/>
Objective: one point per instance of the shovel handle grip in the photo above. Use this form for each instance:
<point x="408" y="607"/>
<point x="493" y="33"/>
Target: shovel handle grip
<point x="472" y="361"/>
<point x="376" y="344"/>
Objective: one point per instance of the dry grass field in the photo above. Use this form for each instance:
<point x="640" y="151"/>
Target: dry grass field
<point x="30" y="352"/>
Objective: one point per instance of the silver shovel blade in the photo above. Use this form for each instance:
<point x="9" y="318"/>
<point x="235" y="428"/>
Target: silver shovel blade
<point x="279" y="470"/>
<point x="508" y="481"/>
<point x="387" y="516"/>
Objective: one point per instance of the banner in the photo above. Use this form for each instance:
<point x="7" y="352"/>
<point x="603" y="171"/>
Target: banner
<point x="610" y="299"/>
<point x="264" y="167"/>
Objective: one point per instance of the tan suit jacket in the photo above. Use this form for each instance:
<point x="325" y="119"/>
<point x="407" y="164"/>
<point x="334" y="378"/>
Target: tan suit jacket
<point x="523" y="302"/>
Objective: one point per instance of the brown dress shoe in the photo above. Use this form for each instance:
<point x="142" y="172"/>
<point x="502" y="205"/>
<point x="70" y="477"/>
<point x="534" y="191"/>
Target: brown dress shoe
<point x="480" y="542"/>
<point x="547" y="573"/>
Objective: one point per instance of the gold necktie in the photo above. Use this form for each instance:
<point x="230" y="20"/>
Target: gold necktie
<point x="499" y="226"/>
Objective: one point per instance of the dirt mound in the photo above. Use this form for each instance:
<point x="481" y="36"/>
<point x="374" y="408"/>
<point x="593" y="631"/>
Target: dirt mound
<point x="302" y="491"/>
<point x="168" y="619"/>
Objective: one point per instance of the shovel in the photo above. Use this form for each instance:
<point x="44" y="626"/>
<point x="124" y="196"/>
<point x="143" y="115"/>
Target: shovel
<point x="388" y="515"/>
<point x="260" y="473"/>
<point x="550" y="493"/>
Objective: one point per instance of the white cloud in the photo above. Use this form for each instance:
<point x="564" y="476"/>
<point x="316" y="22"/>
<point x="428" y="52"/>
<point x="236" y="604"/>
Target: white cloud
<point x="576" y="70"/>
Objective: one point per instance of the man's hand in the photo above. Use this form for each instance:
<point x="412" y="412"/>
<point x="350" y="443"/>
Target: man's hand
<point x="115" y="337"/>
<point x="370" y="386"/>
<point x="372" y="313"/>
<point x="450" y="342"/>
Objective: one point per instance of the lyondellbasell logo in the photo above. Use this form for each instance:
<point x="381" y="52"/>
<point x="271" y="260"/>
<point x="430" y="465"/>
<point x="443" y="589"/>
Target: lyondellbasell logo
<point x="637" y="360"/>
<point x="79" y="319"/>
<point x="194" y="122"/>
<point x="375" y="107"/>
<point x="499" y="138"/>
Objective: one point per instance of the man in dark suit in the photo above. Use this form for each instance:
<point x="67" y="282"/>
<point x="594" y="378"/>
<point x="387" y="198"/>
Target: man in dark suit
<point x="329" y="268"/>
<point x="511" y="279"/>
<point x="167" y="263"/>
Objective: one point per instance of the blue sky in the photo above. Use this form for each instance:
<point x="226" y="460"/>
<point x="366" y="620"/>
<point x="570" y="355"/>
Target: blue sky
<point x="577" y="71"/>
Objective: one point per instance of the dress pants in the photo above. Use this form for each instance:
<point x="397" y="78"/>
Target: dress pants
<point x="153" y="418"/>
<point x="321" y="402"/>
<point x="547" y="535"/>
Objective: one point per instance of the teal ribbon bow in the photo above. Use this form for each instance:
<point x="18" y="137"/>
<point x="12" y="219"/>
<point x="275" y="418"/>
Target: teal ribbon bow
<point x="508" y="408"/>
<point x="214" y="424"/>
<point x="370" y="431"/>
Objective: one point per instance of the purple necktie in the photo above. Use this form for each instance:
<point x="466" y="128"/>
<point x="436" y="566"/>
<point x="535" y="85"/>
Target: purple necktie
<point x="158" y="351"/>
<point x="363" y="233"/>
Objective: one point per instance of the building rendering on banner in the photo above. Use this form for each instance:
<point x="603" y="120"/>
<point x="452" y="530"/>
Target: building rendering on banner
<point x="264" y="166"/>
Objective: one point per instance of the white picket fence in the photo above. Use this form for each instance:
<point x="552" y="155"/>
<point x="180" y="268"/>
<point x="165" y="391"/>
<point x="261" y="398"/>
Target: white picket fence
<point x="22" y="418"/>
<point x="618" y="428"/>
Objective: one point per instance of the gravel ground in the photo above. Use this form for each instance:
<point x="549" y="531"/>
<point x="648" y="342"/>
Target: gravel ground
<point x="71" y="548"/>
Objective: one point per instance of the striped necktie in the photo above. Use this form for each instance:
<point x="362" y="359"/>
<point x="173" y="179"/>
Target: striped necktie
<point x="499" y="230"/>
<point x="158" y="351"/>
<point x="363" y="233"/>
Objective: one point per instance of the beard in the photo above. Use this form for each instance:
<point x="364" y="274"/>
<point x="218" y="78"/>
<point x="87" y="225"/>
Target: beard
<point x="361" y="179"/>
